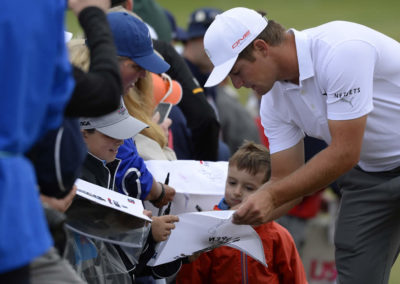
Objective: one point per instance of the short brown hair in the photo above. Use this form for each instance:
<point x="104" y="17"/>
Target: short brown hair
<point x="252" y="158"/>
<point x="90" y="130"/>
<point x="273" y="34"/>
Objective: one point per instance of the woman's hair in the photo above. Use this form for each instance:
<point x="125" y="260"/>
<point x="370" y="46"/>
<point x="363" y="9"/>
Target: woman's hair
<point x="90" y="130"/>
<point x="79" y="54"/>
<point x="273" y="34"/>
<point x="252" y="158"/>
<point x="139" y="101"/>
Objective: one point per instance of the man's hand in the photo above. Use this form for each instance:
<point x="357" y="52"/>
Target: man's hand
<point x="161" y="227"/>
<point x="78" y="5"/>
<point x="257" y="209"/>
<point x="59" y="204"/>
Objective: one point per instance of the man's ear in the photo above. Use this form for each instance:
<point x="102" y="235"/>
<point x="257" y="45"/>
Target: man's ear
<point x="260" y="45"/>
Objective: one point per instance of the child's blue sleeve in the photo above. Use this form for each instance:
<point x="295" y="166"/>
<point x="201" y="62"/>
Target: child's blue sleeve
<point x="132" y="177"/>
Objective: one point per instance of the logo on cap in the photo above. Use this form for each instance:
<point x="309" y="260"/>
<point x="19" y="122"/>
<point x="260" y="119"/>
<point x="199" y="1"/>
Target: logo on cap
<point x="122" y="110"/>
<point x="200" y="16"/>
<point x="85" y="123"/>
<point x="240" y="40"/>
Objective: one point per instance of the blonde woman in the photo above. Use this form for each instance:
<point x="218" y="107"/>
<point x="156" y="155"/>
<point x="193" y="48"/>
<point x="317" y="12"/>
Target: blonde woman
<point x="152" y="142"/>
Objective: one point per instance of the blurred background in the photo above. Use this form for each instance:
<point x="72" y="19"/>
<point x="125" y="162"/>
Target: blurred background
<point x="300" y="14"/>
<point x="381" y="15"/>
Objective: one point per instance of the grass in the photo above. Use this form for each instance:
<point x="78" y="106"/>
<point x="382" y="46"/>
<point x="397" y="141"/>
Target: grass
<point x="300" y="14"/>
<point x="381" y="15"/>
<point x="395" y="275"/>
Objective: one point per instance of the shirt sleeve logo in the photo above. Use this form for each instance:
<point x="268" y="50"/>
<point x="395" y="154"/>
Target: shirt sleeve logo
<point x="347" y="96"/>
<point x="348" y="93"/>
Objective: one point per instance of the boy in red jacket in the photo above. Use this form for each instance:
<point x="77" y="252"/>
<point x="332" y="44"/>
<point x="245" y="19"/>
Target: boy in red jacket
<point x="248" y="169"/>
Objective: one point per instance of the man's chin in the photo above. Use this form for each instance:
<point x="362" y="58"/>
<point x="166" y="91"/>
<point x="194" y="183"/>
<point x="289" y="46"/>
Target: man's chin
<point x="261" y="92"/>
<point x="257" y="90"/>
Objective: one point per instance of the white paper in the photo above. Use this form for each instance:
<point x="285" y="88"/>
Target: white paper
<point x="190" y="176"/>
<point x="202" y="231"/>
<point x="110" y="198"/>
<point x="199" y="185"/>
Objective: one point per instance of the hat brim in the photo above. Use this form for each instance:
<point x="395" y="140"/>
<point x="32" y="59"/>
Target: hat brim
<point x="152" y="63"/>
<point x="124" y="129"/>
<point x="176" y="94"/>
<point x="220" y="72"/>
<point x="180" y="34"/>
<point x="161" y="86"/>
<point x="196" y="32"/>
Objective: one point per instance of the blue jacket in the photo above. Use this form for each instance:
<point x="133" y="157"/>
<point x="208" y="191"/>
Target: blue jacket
<point x="35" y="84"/>
<point x="132" y="177"/>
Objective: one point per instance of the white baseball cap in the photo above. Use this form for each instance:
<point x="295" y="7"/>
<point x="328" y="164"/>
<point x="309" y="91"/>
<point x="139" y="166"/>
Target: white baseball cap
<point x="118" y="124"/>
<point x="227" y="36"/>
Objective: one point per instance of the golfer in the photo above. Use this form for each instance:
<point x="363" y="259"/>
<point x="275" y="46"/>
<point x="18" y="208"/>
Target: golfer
<point x="339" y="82"/>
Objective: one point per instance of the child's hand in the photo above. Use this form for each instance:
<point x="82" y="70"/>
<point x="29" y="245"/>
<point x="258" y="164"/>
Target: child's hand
<point x="157" y="197"/>
<point x="169" y="194"/>
<point x="161" y="226"/>
<point x="148" y="213"/>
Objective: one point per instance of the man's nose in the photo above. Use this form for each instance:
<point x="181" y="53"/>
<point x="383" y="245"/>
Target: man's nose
<point x="236" y="82"/>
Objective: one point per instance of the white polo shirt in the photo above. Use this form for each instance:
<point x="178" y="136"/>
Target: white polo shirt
<point x="346" y="71"/>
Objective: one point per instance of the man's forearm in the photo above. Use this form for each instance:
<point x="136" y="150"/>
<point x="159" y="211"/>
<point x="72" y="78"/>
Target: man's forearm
<point x="317" y="173"/>
<point x="285" y="208"/>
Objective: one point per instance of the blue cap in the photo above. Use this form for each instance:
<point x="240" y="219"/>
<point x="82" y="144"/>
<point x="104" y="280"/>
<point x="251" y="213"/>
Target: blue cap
<point x="132" y="39"/>
<point x="200" y="20"/>
<point x="181" y="34"/>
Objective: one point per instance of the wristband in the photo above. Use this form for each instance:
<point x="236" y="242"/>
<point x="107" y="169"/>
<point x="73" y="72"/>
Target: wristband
<point x="162" y="194"/>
